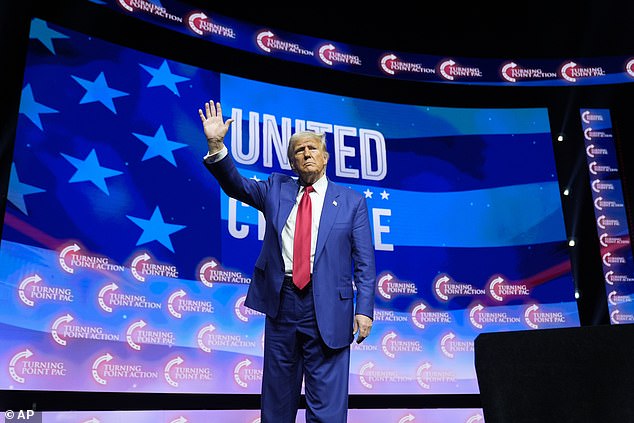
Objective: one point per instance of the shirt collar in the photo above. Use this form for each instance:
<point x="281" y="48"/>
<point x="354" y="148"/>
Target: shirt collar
<point x="320" y="185"/>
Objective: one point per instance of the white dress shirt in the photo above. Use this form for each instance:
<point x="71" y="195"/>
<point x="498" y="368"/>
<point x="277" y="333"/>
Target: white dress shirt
<point x="217" y="156"/>
<point x="317" y="204"/>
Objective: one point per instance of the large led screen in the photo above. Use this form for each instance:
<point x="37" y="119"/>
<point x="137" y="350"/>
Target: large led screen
<point x="123" y="267"/>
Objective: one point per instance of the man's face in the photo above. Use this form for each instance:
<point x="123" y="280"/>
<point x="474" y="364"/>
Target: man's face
<point x="309" y="159"/>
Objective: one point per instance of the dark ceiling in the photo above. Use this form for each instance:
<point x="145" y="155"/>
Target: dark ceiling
<point x="514" y="29"/>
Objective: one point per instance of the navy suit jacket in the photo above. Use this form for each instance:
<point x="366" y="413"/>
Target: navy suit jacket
<point x="344" y="239"/>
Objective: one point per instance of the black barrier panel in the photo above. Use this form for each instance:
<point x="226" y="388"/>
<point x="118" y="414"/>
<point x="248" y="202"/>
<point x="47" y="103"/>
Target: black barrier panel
<point x="583" y="374"/>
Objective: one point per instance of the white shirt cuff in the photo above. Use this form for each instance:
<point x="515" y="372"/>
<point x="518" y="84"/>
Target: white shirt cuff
<point x="217" y="156"/>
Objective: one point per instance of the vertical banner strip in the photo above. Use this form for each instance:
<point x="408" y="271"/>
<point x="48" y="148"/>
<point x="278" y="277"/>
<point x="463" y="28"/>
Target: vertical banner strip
<point x="609" y="209"/>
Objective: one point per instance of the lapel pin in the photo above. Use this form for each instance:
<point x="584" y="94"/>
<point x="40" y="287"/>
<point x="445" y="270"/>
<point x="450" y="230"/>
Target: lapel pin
<point x="334" y="202"/>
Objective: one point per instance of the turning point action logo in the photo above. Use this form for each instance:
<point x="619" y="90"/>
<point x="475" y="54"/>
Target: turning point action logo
<point x="390" y="64"/>
<point x="611" y="278"/>
<point x="446" y="287"/>
<point x="105" y="369"/>
<point x="511" y="72"/>
<point x="208" y="339"/>
<point x="244" y="313"/>
<point x="107" y="298"/>
<point x="600" y="203"/>
<point x="591" y="134"/>
<point x="369" y="375"/>
<point x="480" y="316"/>
<point x="71" y="258"/>
<point x="146" y="6"/>
<point x="267" y="41"/>
<point x="243" y="374"/>
<point x="63" y="329"/>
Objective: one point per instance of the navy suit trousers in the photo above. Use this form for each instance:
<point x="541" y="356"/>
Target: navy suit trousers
<point x="294" y="351"/>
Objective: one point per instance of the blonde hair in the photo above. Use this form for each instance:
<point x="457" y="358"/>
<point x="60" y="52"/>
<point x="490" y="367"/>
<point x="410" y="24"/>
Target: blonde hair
<point x="305" y="134"/>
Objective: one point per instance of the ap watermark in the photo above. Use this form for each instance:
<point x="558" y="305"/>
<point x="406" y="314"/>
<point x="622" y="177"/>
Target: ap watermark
<point x="18" y="416"/>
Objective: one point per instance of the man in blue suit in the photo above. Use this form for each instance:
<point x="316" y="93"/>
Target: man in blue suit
<point x="309" y="302"/>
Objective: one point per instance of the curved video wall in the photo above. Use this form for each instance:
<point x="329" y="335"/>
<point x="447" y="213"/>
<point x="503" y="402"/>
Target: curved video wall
<point x="124" y="268"/>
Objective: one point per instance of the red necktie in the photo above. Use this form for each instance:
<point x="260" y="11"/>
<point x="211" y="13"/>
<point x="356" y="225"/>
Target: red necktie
<point x="301" y="240"/>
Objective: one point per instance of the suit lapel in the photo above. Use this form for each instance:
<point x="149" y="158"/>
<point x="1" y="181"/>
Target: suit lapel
<point x="288" y="194"/>
<point x="328" y="215"/>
